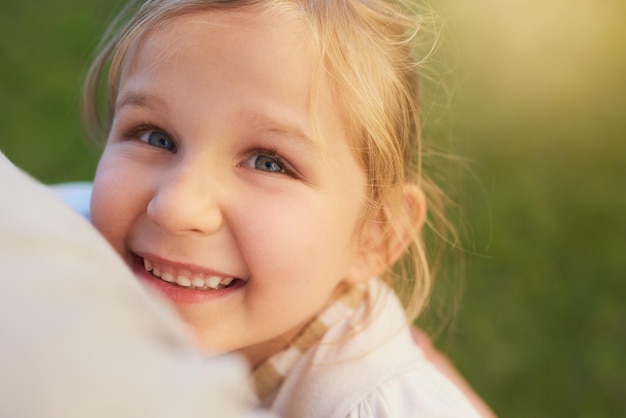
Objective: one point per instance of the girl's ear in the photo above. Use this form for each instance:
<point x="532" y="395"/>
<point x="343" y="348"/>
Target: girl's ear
<point x="385" y="237"/>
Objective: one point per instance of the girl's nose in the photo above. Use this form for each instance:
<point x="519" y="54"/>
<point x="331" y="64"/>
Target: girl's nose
<point x="185" y="202"/>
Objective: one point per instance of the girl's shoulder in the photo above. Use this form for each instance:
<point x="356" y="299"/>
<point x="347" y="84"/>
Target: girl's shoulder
<point x="375" y="372"/>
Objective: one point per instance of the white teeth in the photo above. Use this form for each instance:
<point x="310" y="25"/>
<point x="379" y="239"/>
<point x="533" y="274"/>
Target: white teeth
<point x="183" y="281"/>
<point x="213" y="282"/>
<point x="168" y="277"/>
<point x="147" y="264"/>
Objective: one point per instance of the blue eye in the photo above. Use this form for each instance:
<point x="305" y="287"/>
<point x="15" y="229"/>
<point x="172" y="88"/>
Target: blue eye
<point x="267" y="163"/>
<point x="161" y="140"/>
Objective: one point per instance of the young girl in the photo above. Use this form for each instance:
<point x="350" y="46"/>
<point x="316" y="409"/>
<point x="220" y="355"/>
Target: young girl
<point x="262" y="171"/>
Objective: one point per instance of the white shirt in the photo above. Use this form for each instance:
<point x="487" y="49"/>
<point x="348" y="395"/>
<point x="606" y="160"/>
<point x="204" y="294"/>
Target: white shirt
<point x="373" y="372"/>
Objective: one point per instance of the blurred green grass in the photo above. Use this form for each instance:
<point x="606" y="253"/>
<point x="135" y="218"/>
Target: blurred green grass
<point x="537" y="113"/>
<point x="45" y="48"/>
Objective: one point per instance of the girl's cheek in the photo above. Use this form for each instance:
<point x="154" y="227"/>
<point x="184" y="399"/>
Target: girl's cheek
<point x="108" y="200"/>
<point x="98" y="209"/>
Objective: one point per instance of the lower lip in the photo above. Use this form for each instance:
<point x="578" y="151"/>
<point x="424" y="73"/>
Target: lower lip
<point x="179" y="294"/>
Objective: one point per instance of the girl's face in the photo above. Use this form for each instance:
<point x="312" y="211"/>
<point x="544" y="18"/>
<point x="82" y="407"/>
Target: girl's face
<point x="220" y="189"/>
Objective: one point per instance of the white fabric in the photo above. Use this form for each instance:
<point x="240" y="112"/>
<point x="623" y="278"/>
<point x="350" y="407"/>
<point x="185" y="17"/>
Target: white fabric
<point x="373" y="372"/>
<point x="79" y="336"/>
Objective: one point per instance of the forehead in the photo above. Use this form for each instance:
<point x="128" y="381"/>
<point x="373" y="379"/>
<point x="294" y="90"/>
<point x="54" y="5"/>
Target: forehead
<point x="237" y="38"/>
<point x="262" y="54"/>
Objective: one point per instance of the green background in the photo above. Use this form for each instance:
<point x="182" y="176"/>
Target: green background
<point x="530" y="96"/>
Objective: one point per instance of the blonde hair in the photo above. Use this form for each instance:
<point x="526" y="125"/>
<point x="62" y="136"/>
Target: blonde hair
<point x="367" y="49"/>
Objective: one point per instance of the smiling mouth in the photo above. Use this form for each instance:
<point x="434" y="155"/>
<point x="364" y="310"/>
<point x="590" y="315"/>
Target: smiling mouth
<point x="188" y="281"/>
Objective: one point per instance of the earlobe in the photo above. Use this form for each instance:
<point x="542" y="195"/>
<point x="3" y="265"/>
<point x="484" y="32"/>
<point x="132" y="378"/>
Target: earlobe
<point x="386" y="236"/>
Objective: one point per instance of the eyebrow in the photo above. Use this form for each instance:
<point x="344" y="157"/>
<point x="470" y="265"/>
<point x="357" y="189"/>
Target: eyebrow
<point x="140" y="100"/>
<point x="281" y="127"/>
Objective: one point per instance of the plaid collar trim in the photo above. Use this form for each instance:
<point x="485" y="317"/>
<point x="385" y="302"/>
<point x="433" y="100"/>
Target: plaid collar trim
<point x="268" y="376"/>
